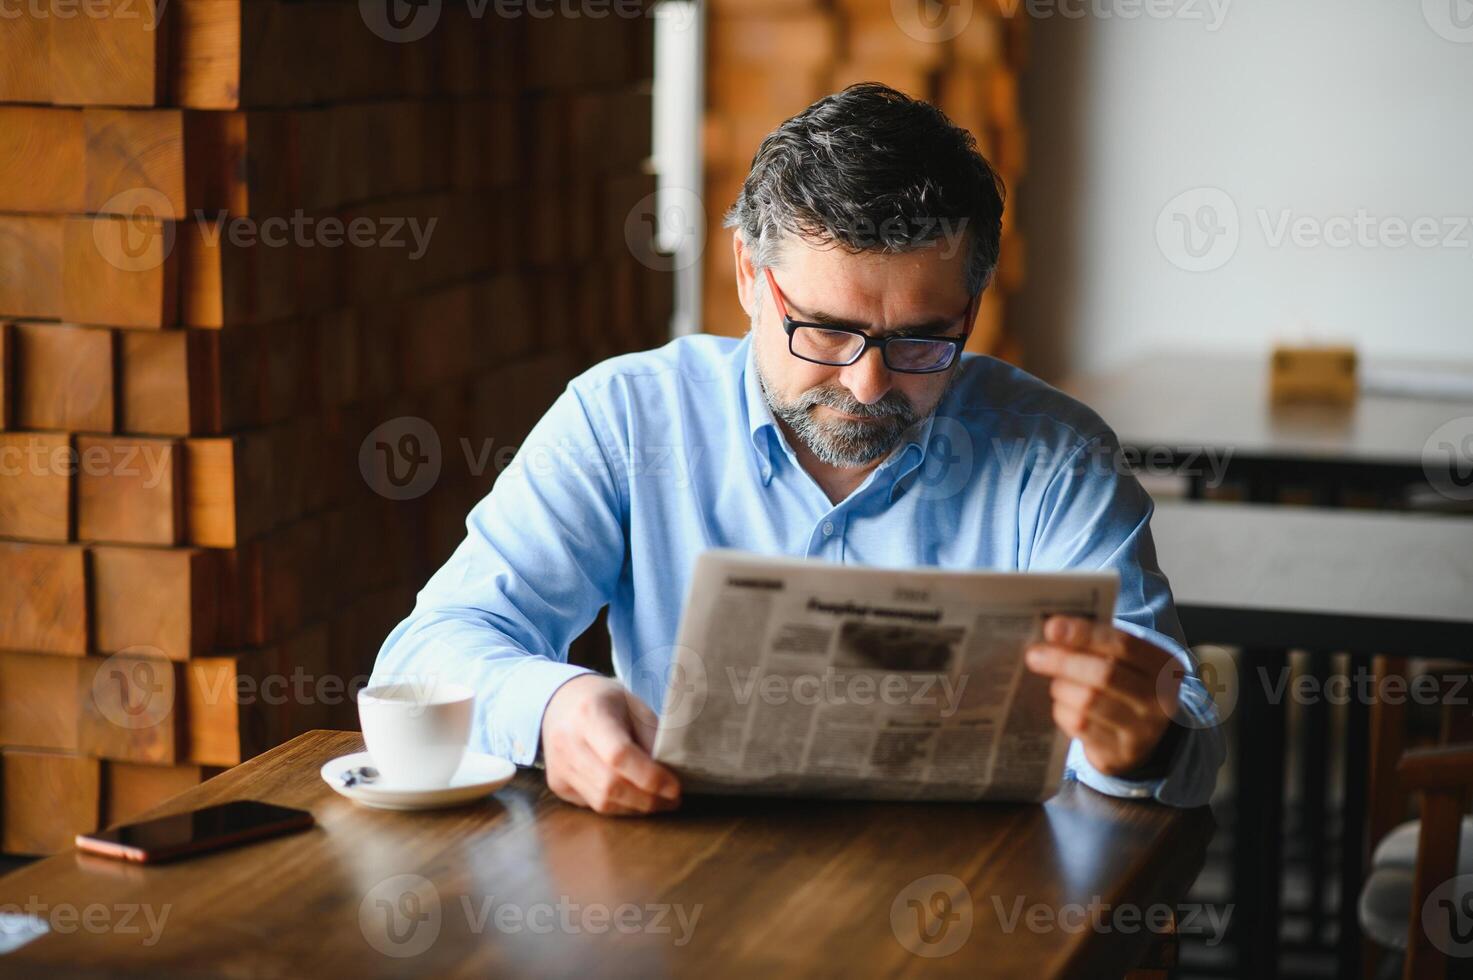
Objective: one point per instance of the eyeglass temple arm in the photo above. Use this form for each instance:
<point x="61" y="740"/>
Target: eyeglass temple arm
<point x="777" y="296"/>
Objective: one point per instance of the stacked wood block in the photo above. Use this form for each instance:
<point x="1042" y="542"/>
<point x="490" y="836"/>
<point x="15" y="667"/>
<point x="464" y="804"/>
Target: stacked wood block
<point x="244" y="246"/>
<point x="767" y="60"/>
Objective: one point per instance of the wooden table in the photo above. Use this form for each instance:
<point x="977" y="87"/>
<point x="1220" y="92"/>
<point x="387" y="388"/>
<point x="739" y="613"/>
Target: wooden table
<point x="1180" y="406"/>
<point x="766" y="885"/>
<point x="1271" y="579"/>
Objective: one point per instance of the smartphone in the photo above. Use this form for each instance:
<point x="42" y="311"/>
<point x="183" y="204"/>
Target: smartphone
<point x="210" y="829"/>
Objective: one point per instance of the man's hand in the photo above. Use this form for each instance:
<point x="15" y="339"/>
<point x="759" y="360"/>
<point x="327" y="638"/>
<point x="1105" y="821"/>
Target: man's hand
<point x="1108" y="690"/>
<point x="596" y="742"/>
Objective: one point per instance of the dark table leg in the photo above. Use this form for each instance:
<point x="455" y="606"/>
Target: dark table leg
<point x="1313" y="779"/>
<point x="1353" y="828"/>
<point x="1257" y="840"/>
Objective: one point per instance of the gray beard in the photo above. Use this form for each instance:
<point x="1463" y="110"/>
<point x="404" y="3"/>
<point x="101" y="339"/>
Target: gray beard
<point x="844" y="443"/>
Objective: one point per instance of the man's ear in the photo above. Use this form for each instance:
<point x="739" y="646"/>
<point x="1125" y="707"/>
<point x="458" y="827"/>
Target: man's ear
<point x="746" y="274"/>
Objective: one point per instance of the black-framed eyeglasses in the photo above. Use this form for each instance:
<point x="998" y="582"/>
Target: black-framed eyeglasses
<point x="837" y="346"/>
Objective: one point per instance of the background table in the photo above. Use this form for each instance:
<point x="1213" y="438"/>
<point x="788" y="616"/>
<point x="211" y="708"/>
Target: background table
<point x="1181" y="405"/>
<point x="781" y="885"/>
<point x="1271" y="579"/>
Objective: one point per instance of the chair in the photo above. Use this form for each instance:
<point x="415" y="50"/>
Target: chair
<point x="1398" y="909"/>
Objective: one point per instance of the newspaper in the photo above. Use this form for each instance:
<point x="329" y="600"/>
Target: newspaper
<point x="804" y="678"/>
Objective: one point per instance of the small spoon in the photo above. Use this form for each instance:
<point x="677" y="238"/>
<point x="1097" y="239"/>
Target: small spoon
<point x="358" y="774"/>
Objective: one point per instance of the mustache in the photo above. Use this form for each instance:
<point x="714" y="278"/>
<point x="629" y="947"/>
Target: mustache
<point x="892" y="405"/>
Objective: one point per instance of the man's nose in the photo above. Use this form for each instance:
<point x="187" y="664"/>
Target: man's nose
<point x="867" y="379"/>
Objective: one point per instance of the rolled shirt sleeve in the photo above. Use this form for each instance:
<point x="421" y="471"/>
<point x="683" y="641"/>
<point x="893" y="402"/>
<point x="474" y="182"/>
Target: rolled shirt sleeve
<point x="542" y="554"/>
<point x="1094" y="514"/>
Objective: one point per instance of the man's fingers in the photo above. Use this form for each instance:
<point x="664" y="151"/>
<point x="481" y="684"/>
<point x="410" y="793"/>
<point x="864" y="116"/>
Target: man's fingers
<point x="1092" y="670"/>
<point x="1097" y="702"/>
<point x="1069" y="631"/>
<point x="603" y="790"/>
<point x="644" y="722"/>
<point x="560" y="782"/>
<point x="616" y="748"/>
<point x="1105" y="639"/>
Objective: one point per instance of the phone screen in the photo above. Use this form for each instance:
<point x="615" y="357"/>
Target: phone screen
<point x="215" y="826"/>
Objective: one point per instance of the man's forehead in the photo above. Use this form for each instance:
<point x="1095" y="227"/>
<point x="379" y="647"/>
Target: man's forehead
<point x="912" y="291"/>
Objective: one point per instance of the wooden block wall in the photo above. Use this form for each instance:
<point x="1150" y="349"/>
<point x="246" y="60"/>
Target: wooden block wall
<point x="193" y="563"/>
<point x="767" y="60"/>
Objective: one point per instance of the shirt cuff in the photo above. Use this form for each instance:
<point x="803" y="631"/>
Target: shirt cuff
<point x="513" y="720"/>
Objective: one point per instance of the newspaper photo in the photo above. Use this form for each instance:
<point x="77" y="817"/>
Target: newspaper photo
<point x="796" y="677"/>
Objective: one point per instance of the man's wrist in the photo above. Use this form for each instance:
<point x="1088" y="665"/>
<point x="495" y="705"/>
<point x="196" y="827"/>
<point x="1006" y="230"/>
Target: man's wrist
<point x="1158" y="763"/>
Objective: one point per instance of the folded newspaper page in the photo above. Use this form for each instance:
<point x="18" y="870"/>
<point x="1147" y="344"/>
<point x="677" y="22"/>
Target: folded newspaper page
<point x="795" y="677"/>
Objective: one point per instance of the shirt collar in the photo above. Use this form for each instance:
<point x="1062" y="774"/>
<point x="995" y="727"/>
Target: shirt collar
<point x="761" y="426"/>
<point x="763" y="430"/>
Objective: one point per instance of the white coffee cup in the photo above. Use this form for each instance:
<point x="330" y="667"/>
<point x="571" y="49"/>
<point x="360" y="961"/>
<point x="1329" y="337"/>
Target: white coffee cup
<point x="416" y="730"/>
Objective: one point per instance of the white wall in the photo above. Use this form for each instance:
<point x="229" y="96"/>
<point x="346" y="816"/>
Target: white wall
<point x="678" y="99"/>
<point x="1314" y="108"/>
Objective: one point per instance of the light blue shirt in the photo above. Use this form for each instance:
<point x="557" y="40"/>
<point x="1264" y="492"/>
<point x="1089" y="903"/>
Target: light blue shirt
<point x="648" y="459"/>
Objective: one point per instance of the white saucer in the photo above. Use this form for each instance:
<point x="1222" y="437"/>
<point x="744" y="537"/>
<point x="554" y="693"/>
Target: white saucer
<point x="479" y="774"/>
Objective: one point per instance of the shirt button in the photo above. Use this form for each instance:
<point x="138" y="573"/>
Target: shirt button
<point x="828" y="528"/>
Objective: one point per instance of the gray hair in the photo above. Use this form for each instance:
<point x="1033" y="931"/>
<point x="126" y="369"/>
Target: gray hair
<point x="871" y="169"/>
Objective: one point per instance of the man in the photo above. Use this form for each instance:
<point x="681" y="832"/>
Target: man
<point x="846" y="426"/>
